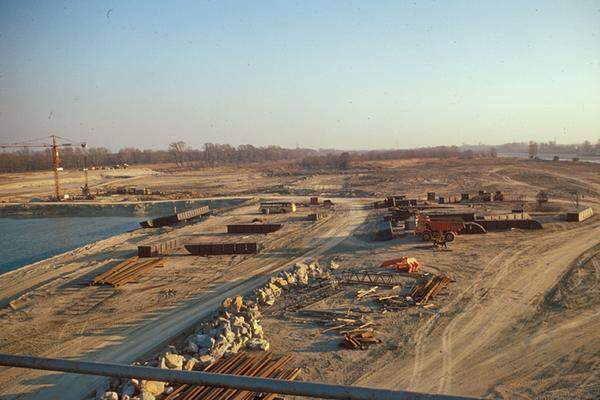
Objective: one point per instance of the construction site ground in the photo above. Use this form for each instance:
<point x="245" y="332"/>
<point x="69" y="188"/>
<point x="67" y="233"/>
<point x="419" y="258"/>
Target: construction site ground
<point x="520" y="320"/>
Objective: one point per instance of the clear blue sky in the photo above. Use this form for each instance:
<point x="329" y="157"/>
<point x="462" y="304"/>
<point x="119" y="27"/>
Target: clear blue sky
<point x="350" y="75"/>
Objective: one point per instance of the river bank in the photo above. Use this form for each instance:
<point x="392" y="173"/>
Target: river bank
<point x="32" y="232"/>
<point x="112" y="209"/>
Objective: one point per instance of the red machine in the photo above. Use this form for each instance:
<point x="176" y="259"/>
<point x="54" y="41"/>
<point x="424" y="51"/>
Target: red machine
<point x="428" y="229"/>
<point x="403" y="264"/>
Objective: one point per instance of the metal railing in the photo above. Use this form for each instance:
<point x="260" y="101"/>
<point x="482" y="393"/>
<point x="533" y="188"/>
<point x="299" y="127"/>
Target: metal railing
<point x="261" y="385"/>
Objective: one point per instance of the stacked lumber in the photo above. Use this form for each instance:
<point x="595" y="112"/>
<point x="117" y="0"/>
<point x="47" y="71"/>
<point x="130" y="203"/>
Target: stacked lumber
<point x="244" y="364"/>
<point x="126" y="271"/>
<point x="359" y="339"/>
<point x="426" y="289"/>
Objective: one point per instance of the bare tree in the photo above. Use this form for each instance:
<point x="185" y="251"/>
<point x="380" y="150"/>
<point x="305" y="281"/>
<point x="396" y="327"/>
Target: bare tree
<point x="177" y="149"/>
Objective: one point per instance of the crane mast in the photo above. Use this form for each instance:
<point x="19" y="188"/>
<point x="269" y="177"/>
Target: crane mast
<point x="55" y="149"/>
<point x="56" y="162"/>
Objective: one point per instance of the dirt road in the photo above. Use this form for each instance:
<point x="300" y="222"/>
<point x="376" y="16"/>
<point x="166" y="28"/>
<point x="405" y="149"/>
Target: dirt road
<point x="493" y="332"/>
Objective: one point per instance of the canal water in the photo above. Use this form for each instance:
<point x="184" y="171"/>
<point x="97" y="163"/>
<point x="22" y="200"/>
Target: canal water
<point x="27" y="240"/>
<point x="47" y="231"/>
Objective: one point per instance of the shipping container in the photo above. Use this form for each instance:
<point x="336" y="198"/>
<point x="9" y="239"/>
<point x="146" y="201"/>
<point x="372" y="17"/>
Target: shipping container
<point x="253" y="228"/>
<point x="207" y="249"/>
<point x="496" y="225"/>
<point x="155" y="249"/>
<point x="175" y="218"/>
<point x="316" y="216"/>
<point x="504" y="217"/>
<point x="578" y="216"/>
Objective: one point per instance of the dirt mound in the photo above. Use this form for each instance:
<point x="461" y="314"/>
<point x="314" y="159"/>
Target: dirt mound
<point x="579" y="287"/>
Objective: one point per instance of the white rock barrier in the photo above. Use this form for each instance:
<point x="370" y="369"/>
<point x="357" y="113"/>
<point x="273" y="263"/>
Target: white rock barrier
<point x="236" y="327"/>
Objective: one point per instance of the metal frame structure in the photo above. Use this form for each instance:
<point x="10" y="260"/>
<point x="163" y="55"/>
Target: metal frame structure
<point x="367" y="277"/>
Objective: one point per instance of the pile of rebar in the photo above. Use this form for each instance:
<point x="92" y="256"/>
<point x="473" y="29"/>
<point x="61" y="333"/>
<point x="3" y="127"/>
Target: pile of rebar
<point x="261" y="365"/>
<point x="426" y="289"/>
<point x="126" y="271"/>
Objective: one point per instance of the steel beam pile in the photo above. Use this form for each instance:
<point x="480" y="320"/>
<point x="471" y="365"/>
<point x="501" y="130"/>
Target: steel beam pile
<point x="258" y="365"/>
<point x="209" y="249"/>
<point x="175" y="218"/>
<point x="426" y="289"/>
<point x="127" y="271"/>
<point x="253" y="228"/>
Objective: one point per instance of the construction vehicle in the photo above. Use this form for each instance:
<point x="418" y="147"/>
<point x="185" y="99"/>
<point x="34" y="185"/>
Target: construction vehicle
<point x="273" y="207"/>
<point x="402" y="264"/>
<point x="427" y="229"/>
<point x="55" y="147"/>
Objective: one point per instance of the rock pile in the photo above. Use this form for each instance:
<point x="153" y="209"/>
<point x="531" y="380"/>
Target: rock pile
<point x="298" y="275"/>
<point x="236" y="326"/>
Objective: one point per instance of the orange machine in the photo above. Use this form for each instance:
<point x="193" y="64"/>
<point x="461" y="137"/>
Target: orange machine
<point x="403" y="264"/>
<point x="428" y="229"/>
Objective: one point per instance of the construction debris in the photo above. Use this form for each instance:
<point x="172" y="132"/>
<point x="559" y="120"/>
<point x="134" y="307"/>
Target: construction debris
<point x="359" y="340"/>
<point x="426" y="289"/>
<point x="126" y="271"/>
<point x="422" y="291"/>
<point x="363" y="292"/>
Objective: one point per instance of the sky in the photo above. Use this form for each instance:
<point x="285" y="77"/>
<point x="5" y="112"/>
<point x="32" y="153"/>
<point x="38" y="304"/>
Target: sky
<point x="320" y="74"/>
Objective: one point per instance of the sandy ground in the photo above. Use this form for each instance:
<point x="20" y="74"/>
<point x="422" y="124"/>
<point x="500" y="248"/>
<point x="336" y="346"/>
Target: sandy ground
<point x="520" y="320"/>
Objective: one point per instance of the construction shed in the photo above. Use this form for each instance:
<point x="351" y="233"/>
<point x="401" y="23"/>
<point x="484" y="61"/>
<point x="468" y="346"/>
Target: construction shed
<point x="578" y="216"/>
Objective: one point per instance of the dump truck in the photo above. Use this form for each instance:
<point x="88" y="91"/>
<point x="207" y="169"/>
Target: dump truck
<point x="427" y="229"/>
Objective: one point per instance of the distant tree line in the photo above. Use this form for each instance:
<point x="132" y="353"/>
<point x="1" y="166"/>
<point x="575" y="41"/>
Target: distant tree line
<point x="582" y="149"/>
<point x="343" y="160"/>
<point x="211" y="154"/>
